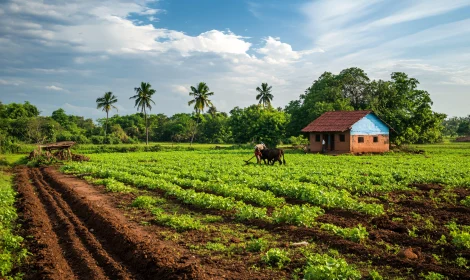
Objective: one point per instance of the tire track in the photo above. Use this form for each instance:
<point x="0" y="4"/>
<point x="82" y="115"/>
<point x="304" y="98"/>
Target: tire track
<point x="88" y="258"/>
<point x="48" y="258"/>
<point x="64" y="212"/>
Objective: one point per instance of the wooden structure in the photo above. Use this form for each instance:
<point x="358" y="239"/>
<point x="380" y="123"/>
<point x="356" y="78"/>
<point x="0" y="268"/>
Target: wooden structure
<point x="348" y="132"/>
<point x="62" y="153"/>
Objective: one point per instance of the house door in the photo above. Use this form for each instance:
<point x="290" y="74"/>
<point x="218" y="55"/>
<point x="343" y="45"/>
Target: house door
<point x="332" y="142"/>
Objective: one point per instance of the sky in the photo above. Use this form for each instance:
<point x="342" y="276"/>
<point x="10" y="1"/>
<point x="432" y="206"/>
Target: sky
<point x="65" y="54"/>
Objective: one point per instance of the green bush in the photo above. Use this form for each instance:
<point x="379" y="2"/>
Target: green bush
<point x="111" y="139"/>
<point x="113" y="185"/>
<point x="80" y="139"/>
<point x="97" y="139"/>
<point x="461" y="262"/>
<point x="304" y="215"/>
<point x="374" y="275"/>
<point x="144" y="202"/>
<point x="276" y="257"/>
<point x="323" y="267"/>
<point x="355" y="234"/>
<point x="257" y="245"/>
<point x="466" y="201"/>
<point x="460" y="235"/>
<point x="178" y="222"/>
<point x="432" y="276"/>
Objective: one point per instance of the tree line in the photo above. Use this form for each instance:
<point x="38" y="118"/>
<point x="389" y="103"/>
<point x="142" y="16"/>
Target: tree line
<point x="398" y="102"/>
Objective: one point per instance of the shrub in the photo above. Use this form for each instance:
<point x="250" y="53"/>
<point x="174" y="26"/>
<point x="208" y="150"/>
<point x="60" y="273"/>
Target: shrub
<point x="461" y="239"/>
<point x="113" y="185"/>
<point x="326" y="267"/>
<point x="277" y="257"/>
<point x="257" y="245"/>
<point x="178" y="222"/>
<point x="97" y="139"/>
<point x="355" y="234"/>
<point x="144" y="202"/>
<point x="432" y="276"/>
<point x="374" y="275"/>
<point x="299" y="140"/>
<point x="466" y="201"/>
<point x="80" y="139"/>
<point x="304" y="215"/>
<point x="461" y="262"/>
<point x="111" y="139"/>
<point x="460" y="235"/>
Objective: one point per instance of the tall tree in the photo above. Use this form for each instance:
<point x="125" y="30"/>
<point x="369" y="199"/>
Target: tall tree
<point x="212" y="111"/>
<point x="106" y="103"/>
<point x="143" y="100"/>
<point x="200" y="100"/>
<point x="264" y="95"/>
<point x="354" y="83"/>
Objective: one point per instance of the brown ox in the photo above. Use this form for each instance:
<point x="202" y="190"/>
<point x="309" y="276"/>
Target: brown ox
<point x="273" y="155"/>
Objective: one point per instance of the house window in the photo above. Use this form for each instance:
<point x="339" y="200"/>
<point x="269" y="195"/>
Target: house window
<point x="360" y="139"/>
<point x="342" y="138"/>
<point x="317" y="138"/>
<point x="376" y="139"/>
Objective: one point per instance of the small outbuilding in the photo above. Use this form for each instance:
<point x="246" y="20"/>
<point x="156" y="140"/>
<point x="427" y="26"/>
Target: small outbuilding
<point x="348" y="132"/>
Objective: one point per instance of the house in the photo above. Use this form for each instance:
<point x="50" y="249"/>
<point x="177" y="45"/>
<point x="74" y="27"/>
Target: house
<point x="349" y="131"/>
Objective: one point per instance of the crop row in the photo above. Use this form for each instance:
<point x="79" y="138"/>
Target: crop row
<point x="283" y="214"/>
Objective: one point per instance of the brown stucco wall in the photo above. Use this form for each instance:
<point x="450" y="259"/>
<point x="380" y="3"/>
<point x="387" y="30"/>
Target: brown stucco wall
<point x="342" y="146"/>
<point x="314" y="146"/>
<point x="339" y="146"/>
<point x="369" y="146"/>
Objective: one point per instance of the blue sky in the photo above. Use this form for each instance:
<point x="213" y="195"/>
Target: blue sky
<point x="59" y="54"/>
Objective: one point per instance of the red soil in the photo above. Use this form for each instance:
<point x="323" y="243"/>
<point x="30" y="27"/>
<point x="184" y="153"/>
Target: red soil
<point x="77" y="233"/>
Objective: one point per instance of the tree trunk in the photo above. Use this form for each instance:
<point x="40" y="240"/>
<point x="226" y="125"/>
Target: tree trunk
<point x="194" y="132"/>
<point x="106" y="125"/>
<point x="146" y="128"/>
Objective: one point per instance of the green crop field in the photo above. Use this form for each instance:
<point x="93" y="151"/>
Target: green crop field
<point x="361" y="216"/>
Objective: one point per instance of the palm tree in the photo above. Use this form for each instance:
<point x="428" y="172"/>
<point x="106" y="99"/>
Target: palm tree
<point x="143" y="98"/>
<point x="264" y="95"/>
<point x="201" y="100"/>
<point x="106" y="102"/>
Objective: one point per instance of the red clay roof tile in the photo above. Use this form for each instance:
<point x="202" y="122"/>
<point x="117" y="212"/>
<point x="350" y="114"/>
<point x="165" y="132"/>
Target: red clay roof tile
<point x="337" y="121"/>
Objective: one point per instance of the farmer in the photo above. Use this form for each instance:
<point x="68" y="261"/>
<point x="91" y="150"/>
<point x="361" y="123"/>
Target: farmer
<point x="323" y="144"/>
<point x="258" y="149"/>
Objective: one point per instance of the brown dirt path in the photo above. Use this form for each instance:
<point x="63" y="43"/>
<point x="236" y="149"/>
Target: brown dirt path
<point x="79" y="234"/>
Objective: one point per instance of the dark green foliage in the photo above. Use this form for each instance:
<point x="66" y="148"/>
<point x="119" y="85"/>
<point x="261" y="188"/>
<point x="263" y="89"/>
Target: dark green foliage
<point x="457" y="126"/>
<point x="255" y="123"/>
<point x="398" y="102"/>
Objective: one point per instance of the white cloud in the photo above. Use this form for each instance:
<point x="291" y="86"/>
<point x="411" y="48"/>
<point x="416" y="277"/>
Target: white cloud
<point x="277" y="52"/>
<point x="421" y="9"/>
<point x="56" y="88"/>
<point x="10" y="82"/>
<point x="149" y="12"/>
<point x="123" y="52"/>
<point x="182" y="90"/>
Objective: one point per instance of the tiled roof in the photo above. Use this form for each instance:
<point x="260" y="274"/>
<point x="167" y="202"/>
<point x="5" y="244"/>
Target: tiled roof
<point x="337" y="121"/>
